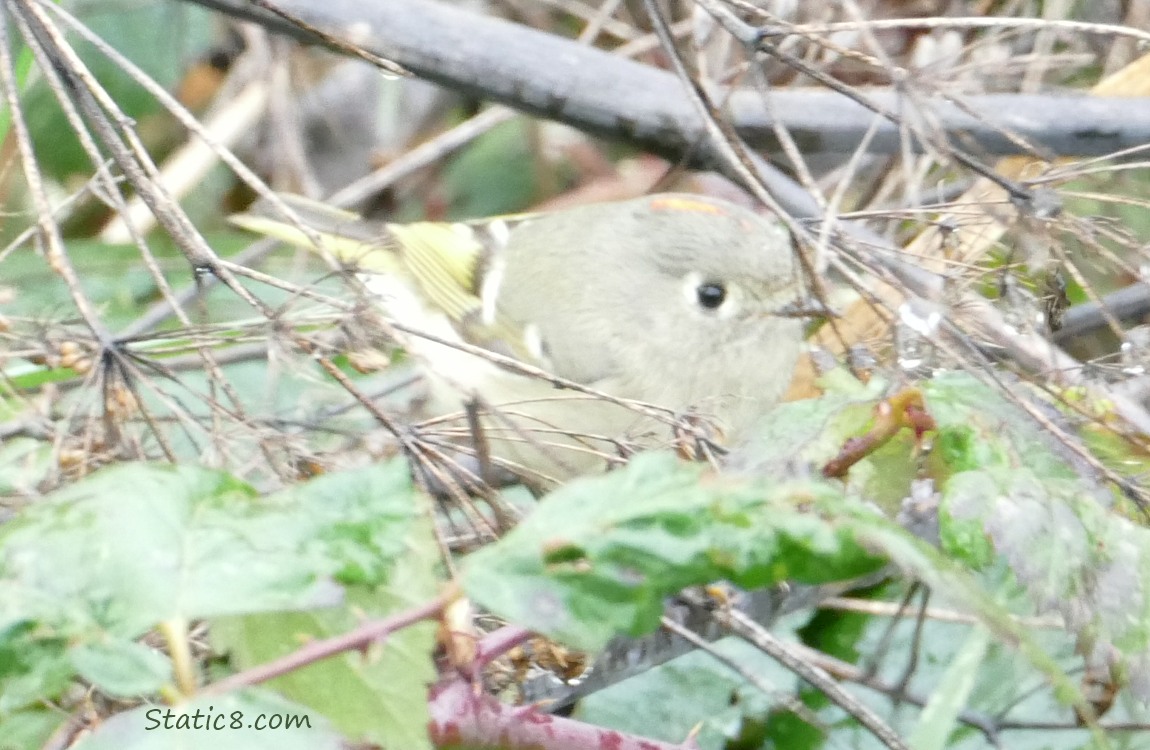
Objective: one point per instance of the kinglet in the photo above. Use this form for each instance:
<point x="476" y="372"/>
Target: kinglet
<point x="673" y="300"/>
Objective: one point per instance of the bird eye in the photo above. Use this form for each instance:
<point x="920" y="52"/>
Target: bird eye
<point x="711" y="294"/>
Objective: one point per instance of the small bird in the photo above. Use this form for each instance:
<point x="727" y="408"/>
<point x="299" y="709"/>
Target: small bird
<point x="673" y="300"/>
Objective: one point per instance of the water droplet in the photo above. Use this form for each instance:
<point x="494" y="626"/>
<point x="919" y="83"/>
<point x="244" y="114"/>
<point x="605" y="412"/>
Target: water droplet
<point x="918" y="323"/>
<point x="920" y="316"/>
<point x="1135" y="350"/>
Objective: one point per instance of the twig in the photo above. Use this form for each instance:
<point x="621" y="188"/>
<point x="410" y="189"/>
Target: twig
<point x="333" y="41"/>
<point x="358" y="638"/>
<point x="849" y="672"/>
<point x="786" y="655"/>
<point x="890" y="609"/>
<point x="790" y="702"/>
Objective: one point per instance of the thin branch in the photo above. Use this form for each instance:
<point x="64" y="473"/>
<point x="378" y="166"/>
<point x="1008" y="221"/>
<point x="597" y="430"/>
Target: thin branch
<point x="356" y="639"/>
<point x="763" y="639"/>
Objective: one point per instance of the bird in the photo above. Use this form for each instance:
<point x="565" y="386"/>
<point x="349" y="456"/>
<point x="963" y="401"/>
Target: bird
<point x="678" y="301"/>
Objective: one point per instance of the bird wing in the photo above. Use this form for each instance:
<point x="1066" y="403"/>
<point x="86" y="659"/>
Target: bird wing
<point x="448" y="262"/>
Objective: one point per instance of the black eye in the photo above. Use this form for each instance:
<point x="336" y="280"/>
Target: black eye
<point x="711" y="294"/>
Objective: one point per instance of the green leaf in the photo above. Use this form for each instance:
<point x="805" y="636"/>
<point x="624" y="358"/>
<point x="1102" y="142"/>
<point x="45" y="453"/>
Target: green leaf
<point x="808" y="432"/>
<point x="32" y="665"/>
<point x="800" y="437"/>
<point x="244" y="720"/>
<point x="104" y="560"/>
<point x="940" y="715"/>
<point x="965" y="538"/>
<point x="122" y="668"/>
<point x="598" y="556"/>
<point x="114" y="277"/>
<point x="979" y="427"/>
<point x="379" y="696"/>
<point x="1011" y="493"/>
<point x="137" y="544"/>
<point x="1069" y="552"/>
<point x="29" y="728"/>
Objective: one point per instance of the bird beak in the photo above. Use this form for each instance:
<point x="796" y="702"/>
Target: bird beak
<point x="806" y="308"/>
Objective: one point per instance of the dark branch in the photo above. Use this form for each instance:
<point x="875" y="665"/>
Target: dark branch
<point x="560" y="79"/>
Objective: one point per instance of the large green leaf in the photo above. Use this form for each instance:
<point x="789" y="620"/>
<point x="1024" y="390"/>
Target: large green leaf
<point x="30" y="728"/>
<point x="598" y="556"/>
<point x="138" y="544"/>
<point x="1011" y="493"/>
<point x="380" y="695"/>
<point x="799" y="438"/>
<point x="87" y="569"/>
<point x="980" y="426"/>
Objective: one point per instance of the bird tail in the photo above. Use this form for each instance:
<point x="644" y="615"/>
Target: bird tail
<point x="322" y="229"/>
